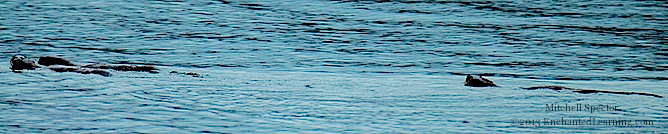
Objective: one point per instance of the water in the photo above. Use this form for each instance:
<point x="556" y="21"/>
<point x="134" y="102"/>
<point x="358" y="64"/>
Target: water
<point x="394" y="66"/>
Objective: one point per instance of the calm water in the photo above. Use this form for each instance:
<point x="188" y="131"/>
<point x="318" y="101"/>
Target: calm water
<point x="303" y="66"/>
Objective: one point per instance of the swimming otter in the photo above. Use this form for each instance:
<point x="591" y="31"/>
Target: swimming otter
<point x="478" y="81"/>
<point x="54" y="60"/>
<point x="122" y="67"/>
<point x="20" y="62"/>
<point x="79" y="70"/>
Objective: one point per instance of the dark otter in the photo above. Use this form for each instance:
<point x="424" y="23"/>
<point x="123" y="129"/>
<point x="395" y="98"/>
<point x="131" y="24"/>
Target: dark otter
<point x="79" y="70"/>
<point x="20" y="62"/>
<point x="478" y="81"/>
<point x="122" y="67"/>
<point x="54" y="60"/>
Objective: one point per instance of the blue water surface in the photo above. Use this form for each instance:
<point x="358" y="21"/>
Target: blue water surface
<point x="318" y="66"/>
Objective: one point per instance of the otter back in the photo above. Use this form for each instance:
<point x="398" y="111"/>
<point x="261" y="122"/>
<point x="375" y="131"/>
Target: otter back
<point x="54" y="60"/>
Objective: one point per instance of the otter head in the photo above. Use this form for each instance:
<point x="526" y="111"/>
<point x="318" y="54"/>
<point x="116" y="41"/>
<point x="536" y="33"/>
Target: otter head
<point x="20" y="62"/>
<point x="478" y="81"/>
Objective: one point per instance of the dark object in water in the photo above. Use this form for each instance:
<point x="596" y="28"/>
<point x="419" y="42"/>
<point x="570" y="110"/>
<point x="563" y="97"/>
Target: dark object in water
<point x="549" y="87"/>
<point x="20" y="62"/>
<point x="121" y="67"/>
<point x="54" y="60"/>
<point x="478" y="81"/>
<point x="186" y="73"/>
<point x="587" y="91"/>
<point x="79" y="70"/>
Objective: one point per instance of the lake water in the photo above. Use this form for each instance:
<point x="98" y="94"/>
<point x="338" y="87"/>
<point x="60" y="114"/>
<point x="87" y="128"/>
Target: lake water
<point x="317" y="66"/>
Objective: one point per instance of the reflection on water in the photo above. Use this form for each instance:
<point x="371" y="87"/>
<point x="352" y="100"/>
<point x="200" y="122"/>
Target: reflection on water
<point x="332" y="66"/>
